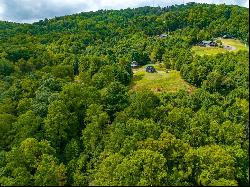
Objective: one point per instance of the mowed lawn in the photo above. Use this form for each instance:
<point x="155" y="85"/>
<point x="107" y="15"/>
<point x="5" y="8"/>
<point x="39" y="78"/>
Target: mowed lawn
<point x="207" y="50"/>
<point x="160" y="81"/>
<point x="215" y="50"/>
<point x="235" y="43"/>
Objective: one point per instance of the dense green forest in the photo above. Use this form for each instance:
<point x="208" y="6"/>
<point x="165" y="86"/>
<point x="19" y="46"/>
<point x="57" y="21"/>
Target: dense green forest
<point x="57" y="128"/>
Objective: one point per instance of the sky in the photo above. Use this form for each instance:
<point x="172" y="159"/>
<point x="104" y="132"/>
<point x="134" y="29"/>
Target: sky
<point x="29" y="11"/>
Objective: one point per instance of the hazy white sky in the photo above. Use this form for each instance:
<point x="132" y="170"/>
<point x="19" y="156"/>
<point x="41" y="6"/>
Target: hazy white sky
<point x="34" y="10"/>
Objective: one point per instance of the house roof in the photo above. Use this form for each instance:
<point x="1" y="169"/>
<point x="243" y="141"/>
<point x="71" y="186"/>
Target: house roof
<point x="134" y="64"/>
<point x="206" y="42"/>
<point x="163" y="35"/>
<point x="227" y="36"/>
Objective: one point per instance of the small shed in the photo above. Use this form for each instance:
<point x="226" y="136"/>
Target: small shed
<point x="227" y="36"/>
<point x="150" y="69"/>
<point x="134" y="64"/>
<point x="163" y="36"/>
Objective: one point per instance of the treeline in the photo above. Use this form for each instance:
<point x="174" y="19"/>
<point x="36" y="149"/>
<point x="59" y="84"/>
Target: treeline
<point x="60" y="129"/>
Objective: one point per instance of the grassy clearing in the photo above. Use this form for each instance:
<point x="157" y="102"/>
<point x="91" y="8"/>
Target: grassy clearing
<point x="207" y="50"/>
<point x="235" y="43"/>
<point x="159" y="82"/>
<point x="215" y="50"/>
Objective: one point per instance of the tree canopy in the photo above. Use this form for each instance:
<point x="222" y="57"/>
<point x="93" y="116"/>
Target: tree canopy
<point x="61" y="128"/>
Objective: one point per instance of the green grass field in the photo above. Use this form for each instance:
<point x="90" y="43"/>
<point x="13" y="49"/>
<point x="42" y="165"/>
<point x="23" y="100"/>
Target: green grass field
<point x="235" y="43"/>
<point x="207" y="50"/>
<point x="159" y="82"/>
<point x="215" y="50"/>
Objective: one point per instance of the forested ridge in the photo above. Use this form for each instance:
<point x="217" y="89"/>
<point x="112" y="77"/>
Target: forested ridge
<point x="59" y="128"/>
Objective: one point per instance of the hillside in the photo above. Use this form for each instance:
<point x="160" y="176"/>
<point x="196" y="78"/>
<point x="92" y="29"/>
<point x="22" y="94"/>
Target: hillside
<point x="159" y="82"/>
<point x="73" y="111"/>
<point x="228" y="45"/>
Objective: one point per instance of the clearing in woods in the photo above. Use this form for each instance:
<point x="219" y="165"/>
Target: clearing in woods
<point x="233" y="45"/>
<point x="159" y="82"/>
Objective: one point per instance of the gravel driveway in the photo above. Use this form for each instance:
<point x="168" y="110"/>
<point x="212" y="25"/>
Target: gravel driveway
<point x="229" y="47"/>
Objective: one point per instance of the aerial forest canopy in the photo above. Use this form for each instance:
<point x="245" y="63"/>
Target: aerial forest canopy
<point x="68" y="115"/>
